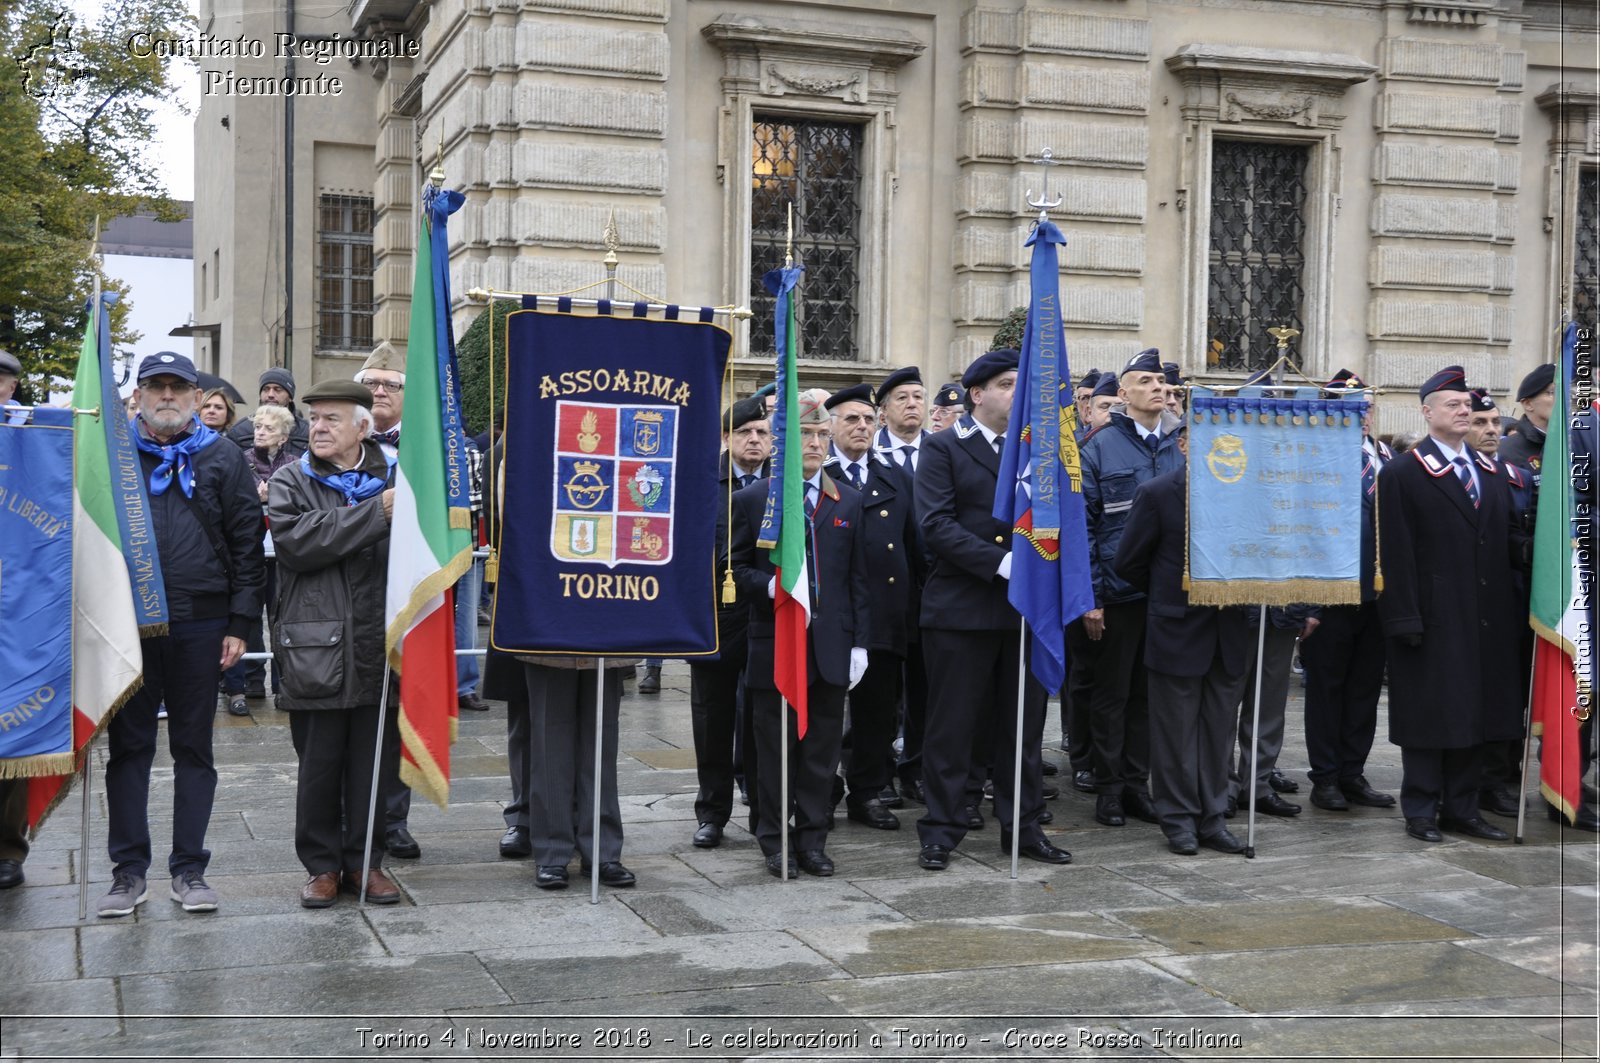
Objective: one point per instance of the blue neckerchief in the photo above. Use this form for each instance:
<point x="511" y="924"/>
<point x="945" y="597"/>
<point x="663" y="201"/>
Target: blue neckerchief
<point x="16" y="413"/>
<point x="175" y="457"/>
<point x="354" y="484"/>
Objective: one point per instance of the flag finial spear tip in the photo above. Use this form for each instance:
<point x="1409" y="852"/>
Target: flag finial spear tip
<point x="1044" y="203"/>
<point x="436" y="177"/>
<point x="788" y="239"/>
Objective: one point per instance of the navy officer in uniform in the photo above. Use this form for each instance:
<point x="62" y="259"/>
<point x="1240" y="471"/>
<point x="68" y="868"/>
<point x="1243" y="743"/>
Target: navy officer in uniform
<point x="902" y="402"/>
<point x="1537" y="396"/>
<point x="946" y="406"/>
<point x="971" y="633"/>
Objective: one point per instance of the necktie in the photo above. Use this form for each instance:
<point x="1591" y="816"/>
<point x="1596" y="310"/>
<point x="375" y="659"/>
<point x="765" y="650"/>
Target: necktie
<point x="811" y="501"/>
<point x="906" y="451"/>
<point x="1465" y="472"/>
<point x="746" y="479"/>
<point x="391" y="437"/>
<point x="1369" y="473"/>
<point x="857" y="476"/>
<point x="999" y="444"/>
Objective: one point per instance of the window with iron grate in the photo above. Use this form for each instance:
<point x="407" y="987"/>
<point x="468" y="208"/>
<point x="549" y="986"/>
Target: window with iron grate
<point x="1586" y="252"/>
<point x="344" y="273"/>
<point x="1257" y="257"/>
<point x="815" y="165"/>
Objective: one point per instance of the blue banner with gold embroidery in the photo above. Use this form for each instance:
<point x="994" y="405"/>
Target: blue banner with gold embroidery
<point x="1274" y="498"/>
<point x="608" y="524"/>
<point x="36" y="586"/>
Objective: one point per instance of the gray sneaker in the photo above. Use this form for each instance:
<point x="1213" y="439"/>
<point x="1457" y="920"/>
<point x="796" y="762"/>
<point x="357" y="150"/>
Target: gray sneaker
<point x="127" y="893"/>
<point x="190" y="890"/>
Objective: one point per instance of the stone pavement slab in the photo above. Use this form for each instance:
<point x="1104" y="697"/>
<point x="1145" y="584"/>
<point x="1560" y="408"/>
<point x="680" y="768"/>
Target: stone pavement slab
<point x="806" y="902"/>
<point x="209" y="943"/>
<point x="1282" y="924"/>
<point x="442" y="929"/>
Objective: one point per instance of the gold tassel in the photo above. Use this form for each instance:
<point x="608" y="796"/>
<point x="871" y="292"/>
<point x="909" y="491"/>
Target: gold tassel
<point x="491" y="566"/>
<point x="730" y="593"/>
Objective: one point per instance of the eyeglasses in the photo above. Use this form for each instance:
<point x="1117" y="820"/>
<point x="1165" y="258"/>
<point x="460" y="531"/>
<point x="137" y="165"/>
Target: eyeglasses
<point x="160" y="384"/>
<point x="384" y="385"/>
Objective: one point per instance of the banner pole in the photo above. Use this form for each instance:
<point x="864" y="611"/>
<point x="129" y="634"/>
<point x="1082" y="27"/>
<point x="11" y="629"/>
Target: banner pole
<point x="1527" y="749"/>
<point x="377" y="773"/>
<point x="783" y="786"/>
<point x="1255" y="741"/>
<point x="1016" y="768"/>
<point x="599" y="733"/>
<point x="83" y="841"/>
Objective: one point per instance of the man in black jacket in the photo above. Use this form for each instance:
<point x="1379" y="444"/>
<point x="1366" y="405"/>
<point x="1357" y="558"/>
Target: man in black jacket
<point x="277" y="389"/>
<point x="1537" y="394"/>
<point x="206" y="516"/>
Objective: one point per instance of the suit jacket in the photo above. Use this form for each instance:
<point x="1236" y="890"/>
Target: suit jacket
<point x="1370" y="467"/>
<point x="956" y="478"/>
<point x="895" y="562"/>
<point x="733" y="618"/>
<point x="1180" y="639"/>
<point x="838" y="562"/>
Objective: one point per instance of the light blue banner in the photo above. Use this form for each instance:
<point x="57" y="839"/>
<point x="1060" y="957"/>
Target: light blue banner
<point x="1274" y="498"/>
<point x="36" y="587"/>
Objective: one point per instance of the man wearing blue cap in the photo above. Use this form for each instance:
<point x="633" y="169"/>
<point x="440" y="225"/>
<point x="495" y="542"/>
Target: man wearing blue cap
<point x="945" y="410"/>
<point x="1537" y="395"/>
<point x="1448" y="611"/>
<point x="970" y="634"/>
<point x="903" y="404"/>
<point x="206" y="516"/>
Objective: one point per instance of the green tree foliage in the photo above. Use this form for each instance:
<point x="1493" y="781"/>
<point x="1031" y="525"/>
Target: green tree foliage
<point x="472" y="354"/>
<point x="77" y="121"/>
<point x="1008" y="337"/>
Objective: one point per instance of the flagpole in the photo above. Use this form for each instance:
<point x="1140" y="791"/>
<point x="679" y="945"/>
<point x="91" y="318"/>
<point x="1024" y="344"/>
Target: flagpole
<point x="1527" y="748"/>
<point x="783" y="703"/>
<point x="1255" y="728"/>
<point x="377" y="773"/>
<point x="599" y="733"/>
<point x="83" y="827"/>
<point x="1016" y="767"/>
<point x="83" y="860"/>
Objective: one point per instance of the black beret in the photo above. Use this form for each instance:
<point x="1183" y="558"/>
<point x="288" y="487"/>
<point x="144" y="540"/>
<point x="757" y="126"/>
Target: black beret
<point x="853" y="393"/>
<point x="950" y="394"/>
<point x="1450" y="378"/>
<point x="1146" y="361"/>
<point x="1108" y="384"/>
<point x="1170" y="371"/>
<point x="742" y="413"/>
<point x="1481" y="402"/>
<point x="337" y="391"/>
<point x="1090" y="379"/>
<point x="1535" y="382"/>
<point x="906" y="375"/>
<point x="990" y="365"/>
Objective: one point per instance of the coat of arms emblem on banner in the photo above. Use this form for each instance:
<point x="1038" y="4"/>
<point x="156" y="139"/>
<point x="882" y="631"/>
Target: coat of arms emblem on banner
<point x="615" y="466"/>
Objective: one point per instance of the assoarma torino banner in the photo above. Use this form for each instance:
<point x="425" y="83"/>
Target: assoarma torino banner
<point x="1274" y="498"/>
<point x="36" y="594"/>
<point x="608" y="525"/>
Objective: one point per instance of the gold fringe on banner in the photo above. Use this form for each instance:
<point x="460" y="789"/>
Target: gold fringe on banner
<point x="152" y="631"/>
<point x="1275" y="592"/>
<point x="39" y="766"/>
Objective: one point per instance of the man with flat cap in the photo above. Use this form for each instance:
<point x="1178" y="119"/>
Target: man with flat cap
<point x="1537" y="395"/>
<point x="837" y="637"/>
<point x="970" y="633"/>
<point x="946" y="406"/>
<point x="895" y="570"/>
<point x="1344" y="662"/>
<point x="1448" y="609"/>
<point x="10" y="375"/>
<point x="902" y="402"/>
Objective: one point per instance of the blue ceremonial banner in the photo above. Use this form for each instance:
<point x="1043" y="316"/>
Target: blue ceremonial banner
<point x="1274" y="498"/>
<point x="36" y="587"/>
<point x="608" y="525"/>
<point x="1040" y="487"/>
<point x="439" y="204"/>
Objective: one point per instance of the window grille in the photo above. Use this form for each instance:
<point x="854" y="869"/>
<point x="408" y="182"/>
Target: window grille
<point x="344" y="273"/>
<point x="1586" y="252"/>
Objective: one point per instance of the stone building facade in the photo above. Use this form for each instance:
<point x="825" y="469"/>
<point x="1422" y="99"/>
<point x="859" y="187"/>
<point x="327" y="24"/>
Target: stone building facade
<point x="1408" y="182"/>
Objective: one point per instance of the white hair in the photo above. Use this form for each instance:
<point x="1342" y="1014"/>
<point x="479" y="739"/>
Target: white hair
<point x="363" y="420"/>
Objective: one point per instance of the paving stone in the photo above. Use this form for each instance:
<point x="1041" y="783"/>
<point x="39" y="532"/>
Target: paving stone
<point x="503" y="880"/>
<point x="1065" y="889"/>
<point x="1283" y="924"/>
<point x="56" y="1017"/>
<point x="802" y="999"/>
<point x="472" y="927"/>
<point x="805" y="902"/>
<point x="246" y="856"/>
<point x="1526" y="865"/>
<point x="1569" y="959"/>
<point x="205" y="942"/>
<point x="267" y="893"/>
<point x="39" y="955"/>
<point x="664" y="757"/>
<point x="1179" y="878"/>
<point x="1506" y="911"/>
<point x="1351" y="873"/>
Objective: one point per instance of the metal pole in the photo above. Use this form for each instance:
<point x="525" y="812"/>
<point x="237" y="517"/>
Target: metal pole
<point x="1527" y="751"/>
<point x="1016" y="768"/>
<point x="377" y="773"/>
<point x="599" y="733"/>
<point x="1255" y="730"/>
<point x="783" y="786"/>
<point x="83" y="842"/>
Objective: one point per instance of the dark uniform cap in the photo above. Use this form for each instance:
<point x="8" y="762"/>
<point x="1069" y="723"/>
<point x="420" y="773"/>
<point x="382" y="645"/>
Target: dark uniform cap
<point x="1450" y="378"/>
<point x="742" y="413"/>
<point x="853" y="393"/>
<point x="907" y="375"/>
<point x="1170" y="371"/>
<point x="1090" y="379"/>
<point x="1146" y="361"/>
<point x="1108" y="384"/>
<point x="1481" y="402"/>
<point x="948" y="394"/>
<point x="338" y="391"/>
<point x="1535" y="382"/>
<point x="990" y="365"/>
<point x="167" y="363"/>
<point x="9" y="364"/>
<point x="1344" y="380"/>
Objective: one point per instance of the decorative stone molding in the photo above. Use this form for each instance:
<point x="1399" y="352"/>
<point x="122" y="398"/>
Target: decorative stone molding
<point x="1105" y="199"/>
<point x="1231" y="83"/>
<point x="1403" y="368"/>
<point x="1039" y="29"/>
<point x="813" y="83"/>
<point x="1408" y="319"/>
<point x="1241" y="106"/>
<point x="643" y="10"/>
<point x="1467" y="13"/>
<point x="546" y="165"/>
<point x="1445" y="167"/>
<point x="1449" y="217"/>
<point x="769" y="56"/>
<point x="1414" y="59"/>
<point x="1574" y="113"/>
<point x="1461" y="116"/>
<point x="1085" y="88"/>
<point x="1397" y="267"/>
<point x="562" y="46"/>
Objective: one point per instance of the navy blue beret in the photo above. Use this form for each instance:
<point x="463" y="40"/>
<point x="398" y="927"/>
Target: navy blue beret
<point x="988" y="366"/>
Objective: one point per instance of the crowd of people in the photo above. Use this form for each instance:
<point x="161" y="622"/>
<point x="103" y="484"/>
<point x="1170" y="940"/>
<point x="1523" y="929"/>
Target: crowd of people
<point x="913" y="649"/>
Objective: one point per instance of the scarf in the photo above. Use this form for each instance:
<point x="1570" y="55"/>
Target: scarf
<point x="356" y="485"/>
<point x="175" y="457"/>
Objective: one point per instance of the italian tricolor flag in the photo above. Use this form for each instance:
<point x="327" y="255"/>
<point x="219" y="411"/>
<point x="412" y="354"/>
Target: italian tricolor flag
<point x="430" y="543"/>
<point x="1562" y="665"/>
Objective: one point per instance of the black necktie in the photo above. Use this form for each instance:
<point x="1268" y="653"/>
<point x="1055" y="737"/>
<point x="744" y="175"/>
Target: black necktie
<point x="811" y="501"/>
<point x="856" y="479"/>
<point x="391" y="437"/>
<point x="999" y="444"/>
<point x="746" y="479"/>
<point x="905" y="451"/>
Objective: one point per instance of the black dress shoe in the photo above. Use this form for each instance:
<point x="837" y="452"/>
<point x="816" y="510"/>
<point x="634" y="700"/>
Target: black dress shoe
<point x="775" y="866"/>
<point x="1281" y="783"/>
<point x="650" y="682"/>
<point x="1476" y="827"/>
<point x="10" y="874"/>
<point x="1108" y="810"/>
<point x="934" y="858"/>
<point x="612" y="874"/>
<point x="1040" y="850"/>
<point x="1329" y="797"/>
<point x="1049" y="793"/>
<point x="1184" y="844"/>
<point x="1271" y="804"/>
<point x="974" y="817"/>
<point x="1049" y="768"/>
<point x="1587" y="820"/>
<point x="1422" y="828"/>
<point x="1499" y="801"/>
<point x="1223" y="842"/>
<point x="472" y="703"/>
<point x="815" y="862"/>
<point x="515" y="843"/>
<point x="400" y="843"/>
<point x="550" y="878"/>
<point x="873" y="814"/>
<point x="1046" y="816"/>
<point x="1138" y="806"/>
<point x="1083" y="782"/>
<point x="911" y="790"/>
<point x="707" y="836"/>
<point x="1358" y="792"/>
<point x="889" y="799"/>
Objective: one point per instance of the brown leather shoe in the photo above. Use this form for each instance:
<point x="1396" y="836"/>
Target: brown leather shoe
<point x="379" y="889"/>
<point x="321" y="891"/>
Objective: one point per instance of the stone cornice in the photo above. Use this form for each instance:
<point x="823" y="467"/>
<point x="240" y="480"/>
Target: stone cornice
<point x="1327" y="70"/>
<point x="805" y="39"/>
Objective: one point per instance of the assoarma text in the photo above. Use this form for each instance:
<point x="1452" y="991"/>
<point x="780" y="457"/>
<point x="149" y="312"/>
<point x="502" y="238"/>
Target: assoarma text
<point x="609" y="588"/>
<point x="632" y="381"/>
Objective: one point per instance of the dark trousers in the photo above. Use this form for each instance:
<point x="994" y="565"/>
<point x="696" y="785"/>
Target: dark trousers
<point x="1446" y="779"/>
<point x="181" y="668"/>
<point x="1344" y="661"/>
<point x="714" y="694"/>
<point x="252" y="675"/>
<point x="560" y="765"/>
<point x="1191" y="734"/>
<point x="395" y="795"/>
<point x="14" y="819"/>
<point x="972" y="686"/>
<point x="874" y="714"/>
<point x="1083" y="656"/>
<point x="1277" y="653"/>
<point x="333" y="794"/>
<point x="914" y="714"/>
<point x="813" y="763"/>
<point x="1119" y="705"/>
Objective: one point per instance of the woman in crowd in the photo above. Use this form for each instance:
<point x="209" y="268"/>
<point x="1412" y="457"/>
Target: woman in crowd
<point x="216" y="410"/>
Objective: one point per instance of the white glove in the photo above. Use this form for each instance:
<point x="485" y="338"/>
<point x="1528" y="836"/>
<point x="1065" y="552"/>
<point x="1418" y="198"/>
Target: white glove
<point x="858" y="665"/>
<point x="1005" y="568"/>
<point x="772" y="587"/>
